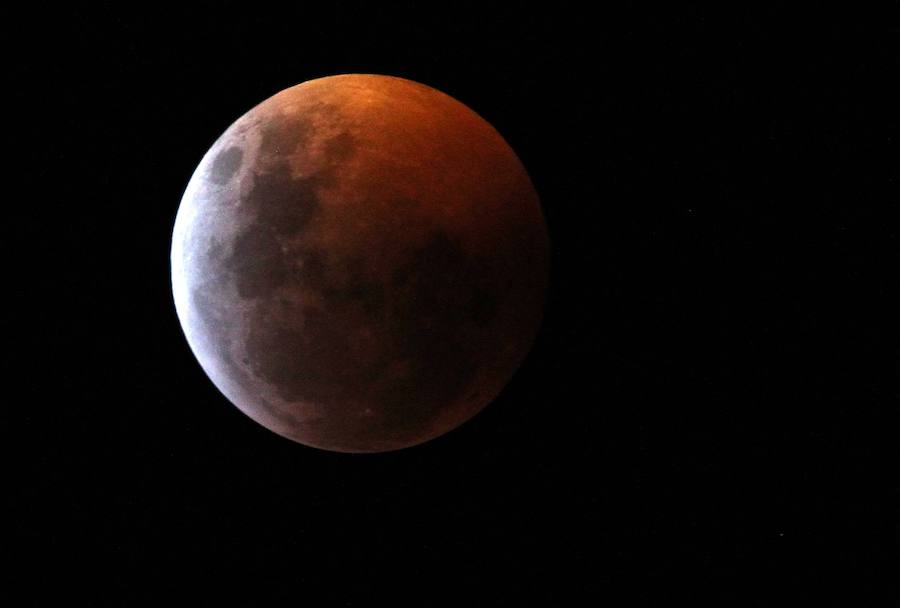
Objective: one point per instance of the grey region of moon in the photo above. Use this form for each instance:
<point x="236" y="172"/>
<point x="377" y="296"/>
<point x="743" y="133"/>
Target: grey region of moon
<point x="359" y="263"/>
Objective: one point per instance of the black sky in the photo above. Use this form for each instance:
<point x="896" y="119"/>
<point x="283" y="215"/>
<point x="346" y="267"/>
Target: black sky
<point x="709" y="412"/>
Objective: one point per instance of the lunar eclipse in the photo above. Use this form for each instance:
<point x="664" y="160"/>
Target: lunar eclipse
<point x="359" y="263"/>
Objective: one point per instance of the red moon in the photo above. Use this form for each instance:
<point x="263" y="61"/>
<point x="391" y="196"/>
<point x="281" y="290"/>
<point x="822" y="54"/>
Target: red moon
<point x="359" y="263"/>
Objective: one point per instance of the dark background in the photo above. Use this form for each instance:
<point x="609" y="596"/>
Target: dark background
<point x="709" y="412"/>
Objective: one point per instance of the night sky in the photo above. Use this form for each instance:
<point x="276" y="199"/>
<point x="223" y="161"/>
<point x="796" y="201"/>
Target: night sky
<point x="710" y="410"/>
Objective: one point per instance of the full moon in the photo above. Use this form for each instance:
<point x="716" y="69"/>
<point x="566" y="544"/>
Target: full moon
<point x="359" y="263"/>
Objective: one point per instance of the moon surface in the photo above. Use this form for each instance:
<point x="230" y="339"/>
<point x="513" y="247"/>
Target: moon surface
<point x="359" y="263"/>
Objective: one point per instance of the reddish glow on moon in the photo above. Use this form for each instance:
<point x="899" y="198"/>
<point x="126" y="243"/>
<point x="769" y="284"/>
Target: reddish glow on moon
<point x="359" y="263"/>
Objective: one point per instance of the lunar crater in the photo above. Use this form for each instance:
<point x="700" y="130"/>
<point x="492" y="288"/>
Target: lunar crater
<point x="226" y="165"/>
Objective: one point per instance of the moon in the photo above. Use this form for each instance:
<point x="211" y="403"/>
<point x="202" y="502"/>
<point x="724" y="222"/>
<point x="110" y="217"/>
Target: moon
<point x="359" y="263"/>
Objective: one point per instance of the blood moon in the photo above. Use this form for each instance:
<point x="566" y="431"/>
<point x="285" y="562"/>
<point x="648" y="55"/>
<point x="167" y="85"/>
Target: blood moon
<point x="359" y="263"/>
